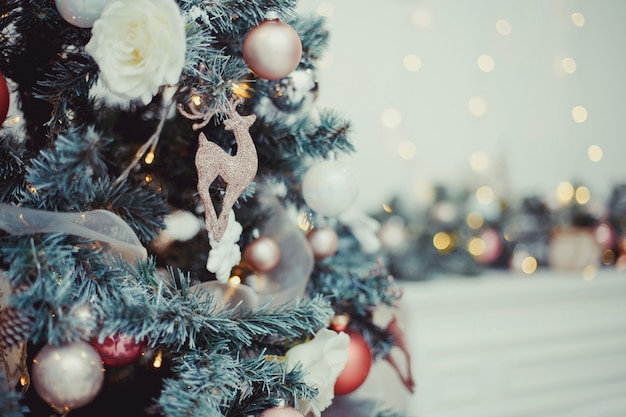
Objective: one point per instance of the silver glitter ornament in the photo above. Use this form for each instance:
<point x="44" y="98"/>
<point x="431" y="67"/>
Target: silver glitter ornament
<point x="295" y="93"/>
<point x="68" y="376"/>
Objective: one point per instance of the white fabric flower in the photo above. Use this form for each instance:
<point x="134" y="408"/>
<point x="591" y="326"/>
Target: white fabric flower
<point x="225" y="254"/>
<point x="139" y="46"/>
<point x="322" y="359"/>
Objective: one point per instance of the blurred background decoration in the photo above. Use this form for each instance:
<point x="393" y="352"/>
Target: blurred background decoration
<point x="489" y="134"/>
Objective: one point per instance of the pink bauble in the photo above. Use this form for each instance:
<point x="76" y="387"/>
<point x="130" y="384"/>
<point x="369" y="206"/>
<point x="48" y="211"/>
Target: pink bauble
<point x="605" y="235"/>
<point x="272" y="50"/>
<point x="119" y="350"/>
<point x="324" y="242"/>
<point x="357" y="367"/>
<point x="281" y="412"/>
<point x="493" y="246"/>
<point x="67" y="376"/>
<point x="5" y="98"/>
<point x="263" y="254"/>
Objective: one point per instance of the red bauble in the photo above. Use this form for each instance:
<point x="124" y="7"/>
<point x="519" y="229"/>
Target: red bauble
<point x="281" y="412"/>
<point x="119" y="350"/>
<point x="324" y="242"/>
<point x="263" y="254"/>
<point x="357" y="367"/>
<point x="4" y="98"/>
<point x="272" y="50"/>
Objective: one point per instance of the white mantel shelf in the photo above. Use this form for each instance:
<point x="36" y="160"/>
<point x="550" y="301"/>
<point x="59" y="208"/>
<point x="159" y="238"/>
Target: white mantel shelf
<point x="505" y="344"/>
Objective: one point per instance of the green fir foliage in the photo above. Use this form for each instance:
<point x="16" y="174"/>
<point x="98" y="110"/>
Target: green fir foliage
<point x="75" y="153"/>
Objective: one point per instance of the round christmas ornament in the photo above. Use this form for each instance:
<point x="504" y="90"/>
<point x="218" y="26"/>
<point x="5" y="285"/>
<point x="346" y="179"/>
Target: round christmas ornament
<point x="281" y="412"/>
<point x="357" y="367"/>
<point x="492" y="246"/>
<point x="272" y="50"/>
<point x="119" y="350"/>
<point x="68" y="376"/>
<point x="263" y="254"/>
<point x="80" y="13"/>
<point x="329" y="188"/>
<point x="5" y="98"/>
<point x="324" y="242"/>
<point x="295" y="93"/>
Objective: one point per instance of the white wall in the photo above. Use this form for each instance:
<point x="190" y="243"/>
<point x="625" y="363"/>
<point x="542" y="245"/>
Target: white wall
<point x="527" y="133"/>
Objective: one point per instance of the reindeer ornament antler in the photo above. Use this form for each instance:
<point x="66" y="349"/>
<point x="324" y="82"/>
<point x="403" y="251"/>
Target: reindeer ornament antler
<point x="237" y="171"/>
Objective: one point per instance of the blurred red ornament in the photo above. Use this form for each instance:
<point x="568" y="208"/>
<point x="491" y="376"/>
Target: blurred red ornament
<point x="119" y="350"/>
<point x="324" y="242"/>
<point x="263" y="254"/>
<point x="281" y="412"/>
<point x="272" y="50"/>
<point x="357" y="367"/>
<point x="4" y="98"/>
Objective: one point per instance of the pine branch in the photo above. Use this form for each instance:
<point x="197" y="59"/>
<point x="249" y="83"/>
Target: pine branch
<point x="13" y="156"/>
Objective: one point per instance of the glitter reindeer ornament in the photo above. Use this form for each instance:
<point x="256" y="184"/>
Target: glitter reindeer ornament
<point x="237" y="170"/>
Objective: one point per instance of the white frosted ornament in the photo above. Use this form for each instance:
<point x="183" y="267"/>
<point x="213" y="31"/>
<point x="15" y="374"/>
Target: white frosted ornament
<point x="80" y="13"/>
<point x="67" y="376"/>
<point x="272" y="50"/>
<point x="329" y="188"/>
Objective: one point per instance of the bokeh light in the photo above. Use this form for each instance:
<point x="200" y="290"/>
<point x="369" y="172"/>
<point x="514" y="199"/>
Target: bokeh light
<point x="594" y="152"/>
<point x="529" y="265"/>
<point x="485" y="63"/>
<point x="578" y="19"/>
<point x="565" y="192"/>
<point x="476" y="246"/>
<point x="391" y="117"/>
<point x="474" y="220"/>
<point x="569" y="65"/>
<point x="582" y="195"/>
<point x="503" y="27"/>
<point x="484" y="194"/>
<point x="326" y="60"/>
<point x="442" y="241"/>
<point x="579" y="114"/>
<point x="421" y="18"/>
<point x="479" y="161"/>
<point x="477" y="106"/>
<point x="407" y="150"/>
<point x="325" y="9"/>
<point x="412" y="62"/>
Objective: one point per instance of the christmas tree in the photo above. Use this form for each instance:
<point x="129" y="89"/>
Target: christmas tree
<point x="176" y="235"/>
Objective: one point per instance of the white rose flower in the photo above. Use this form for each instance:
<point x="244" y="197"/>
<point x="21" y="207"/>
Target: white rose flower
<point x="139" y="46"/>
<point x="322" y="359"/>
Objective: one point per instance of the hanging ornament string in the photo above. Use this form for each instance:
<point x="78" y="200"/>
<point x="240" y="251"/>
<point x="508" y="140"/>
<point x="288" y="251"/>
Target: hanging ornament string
<point x="151" y="143"/>
<point x="99" y="225"/>
<point x="237" y="170"/>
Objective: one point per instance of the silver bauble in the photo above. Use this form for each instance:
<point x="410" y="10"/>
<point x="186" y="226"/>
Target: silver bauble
<point x="272" y="50"/>
<point x="68" y="376"/>
<point x="295" y="93"/>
